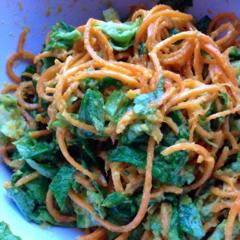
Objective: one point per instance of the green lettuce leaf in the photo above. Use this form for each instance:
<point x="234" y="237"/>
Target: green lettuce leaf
<point x="174" y="232"/>
<point x="91" y="110"/>
<point x="61" y="184"/>
<point x="114" y="199"/>
<point x="36" y="149"/>
<point x="62" y="36"/>
<point x="121" y="34"/>
<point x="12" y="123"/>
<point x="166" y="169"/>
<point x="116" y="105"/>
<point x="45" y="169"/>
<point x="189" y="218"/>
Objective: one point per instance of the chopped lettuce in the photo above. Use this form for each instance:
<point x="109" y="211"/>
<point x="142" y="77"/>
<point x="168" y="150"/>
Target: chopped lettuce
<point x="175" y="232"/>
<point x="6" y="234"/>
<point x="36" y="149"/>
<point x="61" y="184"/>
<point x="153" y="224"/>
<point x="84" y="219"/>
<point x="189" y="218"/>
<point x="121" y="34"/>
<point x="218" y="233"/>
<point x="166" y="169"/>
<point x="91" y="110"/>
<point x="96" y="199"/>
<point x="12" y="123"/>
<point x="116" y="105"/>
<point x="62" y="36"/>
<point x="114" y="199"/>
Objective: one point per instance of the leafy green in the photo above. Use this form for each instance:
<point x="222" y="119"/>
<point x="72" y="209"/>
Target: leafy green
<point x="62" y="36"/>
<point x="12" y="124"/>
<point x="114" y="199"/>
<point x="173" y="31"/>
<point x="61" y="184"/>
<point x="234" y="166"/>
<point x="142" y="49"/>
<point x="166" y="169"/>
<point x="23" y="200"/>
<point x="5" y="232"/>
<point x="169" y="169"/>
<point x="123" y="213"/>
<point x="128" y="155"/>
<point x="135" y="133"/>
<point x="91" y="110"/>
<point x="224" y="98"/>
<point x="94" y="84"/>
<point x="29" y="69"/>
<point x="189" y="218"/>
<point x="203" y="23"/>
<point x="141" y="101"/>
<point x="96" y="198"/>
<point x="84" y="219"/>
<point x="44" y="169"/>
<point x="174" y="229"/>
<point x="178" y="4"/>
<point x="110" y="14"/>
<point x="234" y="53"/>
<point x="121" y="34"/>
<point x="116" y="105"/>
<point x="38" y="189"/>
<point x="136" y="233"/>
<point x="46" y="63"/>
<point x="218" y="233"/>
<point x="153" y="224"/>
<point x="36" y="149"/>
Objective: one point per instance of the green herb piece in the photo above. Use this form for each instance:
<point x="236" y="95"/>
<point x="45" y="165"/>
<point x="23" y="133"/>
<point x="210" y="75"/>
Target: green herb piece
<point x="166" y="169"/>
<point x="189" y="218"/>
<point x="29" y="69"/>
<point x="46" y="63"/>
<point x="23" y="200"/>
<point x="12" y="123"/>
<point x="62" y="36"/>
<point x="116" y="105"/>
<point x="114" y="199"/>
<point x="84" y="219"/>
<point x="36" y="149"/>
<point x="45" y="169"/>
<point x="61" y="184"/>
<point x="135" y="133"/>
<point x="234" y="53"/>
<point x="96" y="198"/>
<point x="91" y="110"/>
<point x="121" y="34"/>
<point x="153" y="224"/>
<point x="174" y="229"/>
<point x="142" y="49"/>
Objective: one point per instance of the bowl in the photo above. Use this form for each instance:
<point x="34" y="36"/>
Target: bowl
<point x="39" y="17"/>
